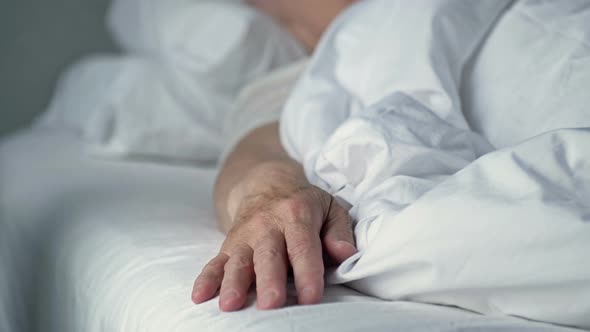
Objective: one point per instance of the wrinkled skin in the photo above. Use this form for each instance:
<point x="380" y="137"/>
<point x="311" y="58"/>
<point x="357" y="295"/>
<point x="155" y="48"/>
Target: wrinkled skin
<point x="276" y="221"/>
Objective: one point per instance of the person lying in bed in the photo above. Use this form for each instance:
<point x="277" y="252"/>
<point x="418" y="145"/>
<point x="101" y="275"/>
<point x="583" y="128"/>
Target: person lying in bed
<point x="274" y="218"/>
<point x="467" y="181"/>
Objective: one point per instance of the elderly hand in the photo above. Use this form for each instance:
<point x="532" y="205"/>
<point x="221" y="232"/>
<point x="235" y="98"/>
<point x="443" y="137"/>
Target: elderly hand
<point x="280" y="221"/>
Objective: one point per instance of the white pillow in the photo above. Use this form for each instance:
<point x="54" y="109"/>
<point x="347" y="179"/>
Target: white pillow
<point x="223" y="39"/>
<point x="133" y="106"/>
<point x="170" y="100"/>
<point x="150" y="26"/>
<point x="532" y="74"/>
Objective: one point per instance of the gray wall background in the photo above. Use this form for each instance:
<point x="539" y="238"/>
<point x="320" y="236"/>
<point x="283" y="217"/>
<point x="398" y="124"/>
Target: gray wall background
<point x="38" y="39"/>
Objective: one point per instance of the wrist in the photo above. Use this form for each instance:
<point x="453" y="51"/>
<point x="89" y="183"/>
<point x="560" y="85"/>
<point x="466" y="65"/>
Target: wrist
<point x="268" y="178"/>
<point x="285" y="168"/>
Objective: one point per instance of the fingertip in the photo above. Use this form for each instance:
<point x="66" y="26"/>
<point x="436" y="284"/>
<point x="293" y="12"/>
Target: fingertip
<point x="271" y="299"/>
<point x="199" y="299"/>
<point x="231" y="300"/>
<point x="200" y="294"/>
<point x="309" y="295"/>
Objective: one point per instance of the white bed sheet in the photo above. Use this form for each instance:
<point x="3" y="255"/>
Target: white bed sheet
<point x="99" y="245"/>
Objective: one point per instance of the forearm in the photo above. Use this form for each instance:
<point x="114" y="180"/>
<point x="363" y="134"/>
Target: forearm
<point x="260" y="147"/>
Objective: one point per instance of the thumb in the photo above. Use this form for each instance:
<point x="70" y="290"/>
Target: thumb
<point x="337" y="233"/>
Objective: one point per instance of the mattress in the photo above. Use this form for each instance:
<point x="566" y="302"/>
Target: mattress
<point x="103" y="245"/>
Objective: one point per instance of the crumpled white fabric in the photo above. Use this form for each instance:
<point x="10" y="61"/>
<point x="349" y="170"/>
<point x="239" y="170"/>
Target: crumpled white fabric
<point x="536" y="62"/>
<point x="441" y="215"/>
<point x="169" y="95"/>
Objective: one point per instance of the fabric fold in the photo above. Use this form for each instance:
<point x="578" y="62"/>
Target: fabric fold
<point x="505" y="235"/>
<point x="441" y="215"/>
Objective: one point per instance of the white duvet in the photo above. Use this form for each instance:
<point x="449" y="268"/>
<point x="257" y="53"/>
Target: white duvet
<point x="490" y="214"/>
<point x="457" y="132"/>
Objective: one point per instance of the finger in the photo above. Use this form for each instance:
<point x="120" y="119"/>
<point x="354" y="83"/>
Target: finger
<point x="209" y="279"/>
<point x="304" y="249"/>
<point x="337" y="234"/>
<point x="237" y="279"/>
<point x="270" y="266"/>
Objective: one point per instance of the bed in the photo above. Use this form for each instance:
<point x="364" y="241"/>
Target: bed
<point x="105" y="203"/>
<point x="102" y="245"/>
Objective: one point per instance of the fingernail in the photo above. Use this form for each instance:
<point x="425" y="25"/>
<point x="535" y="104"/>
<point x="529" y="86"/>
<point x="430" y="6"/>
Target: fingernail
<point x="228" y="296"/>
<point x="268" y="298"/>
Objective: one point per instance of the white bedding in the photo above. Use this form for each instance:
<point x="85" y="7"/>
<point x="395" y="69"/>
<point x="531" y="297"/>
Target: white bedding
<point x="168" y="95"/>
<point x="111" y="244"/>
<point x="120" y="243"/>
<point x="443" y="215"/>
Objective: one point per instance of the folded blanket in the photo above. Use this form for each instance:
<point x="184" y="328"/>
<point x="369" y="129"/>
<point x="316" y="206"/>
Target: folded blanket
<point x="441" y="215"/>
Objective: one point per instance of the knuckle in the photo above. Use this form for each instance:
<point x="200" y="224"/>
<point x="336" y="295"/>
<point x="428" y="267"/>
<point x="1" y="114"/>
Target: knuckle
<point x="206" y="276"/>
<point x="216" y="263"/>
<point x="299" y="250"/>
<point x="319" y="196"/>
<point x="265" y="255"/>
<point x="296" y="207"/>
<point x="254" y="220"/>
<point x="210" y="275"/>
<point x="213" y="265"/>
<point x="233" y="236"/>
<point x="262" y="220"/>
<point x="239" y="263"/>
<point x="301" y="232"/>
<point x="262" y="225"/>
